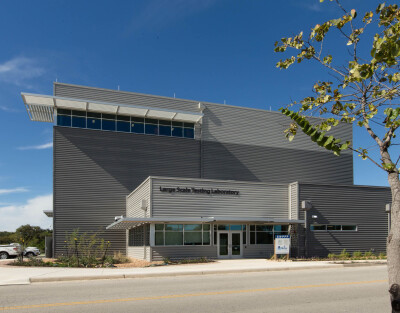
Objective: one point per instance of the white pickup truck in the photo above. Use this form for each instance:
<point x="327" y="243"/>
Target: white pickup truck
<point x="9" y="250"/>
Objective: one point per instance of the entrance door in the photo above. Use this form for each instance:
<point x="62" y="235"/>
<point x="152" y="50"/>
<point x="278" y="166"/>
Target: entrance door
<point x="230" y="244"/>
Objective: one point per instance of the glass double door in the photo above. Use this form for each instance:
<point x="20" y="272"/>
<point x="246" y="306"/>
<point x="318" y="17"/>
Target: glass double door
<point x="229" y="244"/>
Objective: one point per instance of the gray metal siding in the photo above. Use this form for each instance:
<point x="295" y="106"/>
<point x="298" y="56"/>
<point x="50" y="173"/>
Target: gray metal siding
<point x="94" y="171"/>
<point x="134" y="201"/>
<point x="238" y="125"/>
<point x="254" y="200"/>
<point x="115" y="96"/>
<point x="239" y="143"/>
<point x="258" y="251"/>
<point x="362" y="206"/>
<point x="273" y="164"/>
<point x="183" y="252"/>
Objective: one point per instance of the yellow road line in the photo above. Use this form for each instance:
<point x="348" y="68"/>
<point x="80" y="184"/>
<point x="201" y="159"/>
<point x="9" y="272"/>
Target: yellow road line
<point x="212" y="293"/>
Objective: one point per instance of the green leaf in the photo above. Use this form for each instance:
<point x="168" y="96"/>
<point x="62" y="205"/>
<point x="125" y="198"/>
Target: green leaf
<point x="380" y="7"/>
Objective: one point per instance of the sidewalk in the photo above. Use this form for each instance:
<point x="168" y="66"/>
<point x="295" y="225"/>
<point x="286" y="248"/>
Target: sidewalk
<point x="10" y="275"/>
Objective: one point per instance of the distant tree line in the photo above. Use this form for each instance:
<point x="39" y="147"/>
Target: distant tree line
<point x="26" y="235"/>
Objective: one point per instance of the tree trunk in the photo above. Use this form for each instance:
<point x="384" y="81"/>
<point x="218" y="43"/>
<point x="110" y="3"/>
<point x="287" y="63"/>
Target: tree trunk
<point x="393" y="243"/>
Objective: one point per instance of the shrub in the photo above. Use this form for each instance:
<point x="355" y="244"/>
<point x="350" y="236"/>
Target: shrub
<point x="32" y="262"/>
<point x="368" y="254"/>
<point x="119" y="258"/>
<point x="344" y="254"/>
<point x="357" y="254"/>
<point x="382" y="255"/>
<point x="332" y="256"/>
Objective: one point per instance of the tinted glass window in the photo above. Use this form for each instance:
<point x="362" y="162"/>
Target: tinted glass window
<point x="151" y="129"/>
<point x="137" y="128"/>
<point x="79" y="113"/>
<point x="94" y="123"/>
<point x="62" y="111"/>
<point x="78" y="121"/>
<point x="349" y="227"/>
<point x="193" y="238"/>
<point x="206" y="238"/>
<point x="123" y="126"/>
<point x="137" y="119"/>
<point x="177" y="131"/>
<point x="173" y="227"/>
<point x="162" y="122"/>
<point x="192" y="227"/>
<point x="188" y="132"/>
<point x="159" y="240"/>
<point x="64" y="120"/>
<point x="264" y="238"/>
<point x="178" y="124"/>
<point x="188" y="125"/>
<point x="108" y="124"/>
<point x="159" y="226"/>
<point x="173" y="238"/>
<point x="109" y="116"/>
<point x="123" y="118"/>
<point x="151" y="121"/>
<point x="165" y="130"/>
<point x="334" y="227"/>
<point x="318" y="227"/>
<point x="236" y="227"/>
<point x="93" y="114"/>
<point x="264" y="227"/>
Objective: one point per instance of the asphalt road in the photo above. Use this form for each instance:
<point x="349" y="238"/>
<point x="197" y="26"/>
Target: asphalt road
<point x="352" y="289"/>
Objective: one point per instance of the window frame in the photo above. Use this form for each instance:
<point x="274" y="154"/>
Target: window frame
<point x="334" y="230"/>
<point x="163" y="231"/>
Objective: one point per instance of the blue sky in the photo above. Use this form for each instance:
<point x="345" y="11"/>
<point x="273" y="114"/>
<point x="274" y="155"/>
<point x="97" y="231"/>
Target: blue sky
<point x="210" y="50"/>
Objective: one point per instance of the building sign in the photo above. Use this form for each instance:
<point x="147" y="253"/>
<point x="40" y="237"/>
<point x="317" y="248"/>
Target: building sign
<point x="282" y="244"/>
<point x="195" y="190"/>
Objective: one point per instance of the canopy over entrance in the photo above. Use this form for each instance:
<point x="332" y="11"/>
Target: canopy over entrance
<point x="130" y="222"/>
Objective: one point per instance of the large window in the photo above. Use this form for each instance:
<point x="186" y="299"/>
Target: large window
<point x="123" y="123"/>
<point x="333" y="227"/>
<point x="265" y="234"/>
<point x="182" y="234"/>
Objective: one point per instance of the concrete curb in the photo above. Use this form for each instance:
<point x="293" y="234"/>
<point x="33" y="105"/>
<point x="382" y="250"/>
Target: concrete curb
<point x="202" y="272"/>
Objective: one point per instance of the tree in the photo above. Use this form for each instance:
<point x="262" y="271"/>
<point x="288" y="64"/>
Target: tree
<point x="365" y="92"/>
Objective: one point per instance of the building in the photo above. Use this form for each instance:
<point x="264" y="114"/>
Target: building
<point x="191" y="179"/>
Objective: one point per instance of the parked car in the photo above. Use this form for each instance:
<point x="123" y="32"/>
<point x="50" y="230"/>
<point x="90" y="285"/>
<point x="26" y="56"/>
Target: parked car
<point x="10" y="250"/>
<point x="31" y="251"/>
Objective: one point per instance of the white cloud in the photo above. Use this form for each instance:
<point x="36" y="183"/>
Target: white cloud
<point x="31" y="212"/>
<point x="13" y="190"/>
<point x="20" y="70"/>
<point x="8" y="109"/>
<point x="38" y="147"/>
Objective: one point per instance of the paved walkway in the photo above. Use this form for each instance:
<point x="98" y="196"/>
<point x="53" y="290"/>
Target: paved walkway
<point x="10" y="275"/>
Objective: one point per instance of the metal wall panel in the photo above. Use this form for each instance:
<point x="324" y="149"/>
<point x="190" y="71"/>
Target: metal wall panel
<point x="183" y="252"/>
<point x="258" y="251"/>
<point x="347" y="205"/>
<point x="254" y="199"/>
<point x="122" y="97"/>
<point x="239" y="125"/>
<point x="274" y="164"/>
<point x="94" y="171"/>
<point x="136" y="252"/>
<point x="242" y="143"/>
<point x="134" y="201"/>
